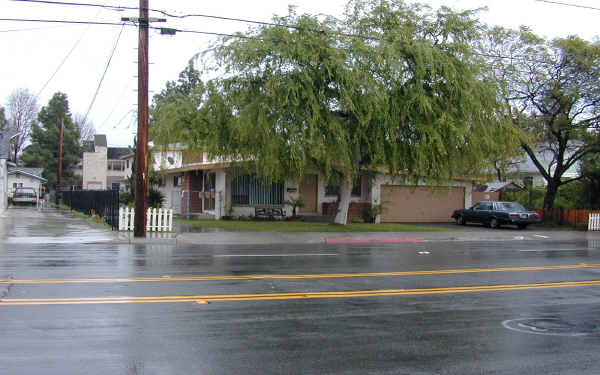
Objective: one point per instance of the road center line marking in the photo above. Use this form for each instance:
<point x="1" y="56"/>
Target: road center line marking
<point x="204" y="299"/>
<point x="273" y="255"/>
<point x="167" y="278"/>
<point x="546" y="250"/>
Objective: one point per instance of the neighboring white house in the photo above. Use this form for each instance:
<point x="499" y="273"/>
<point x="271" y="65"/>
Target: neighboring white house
<point x="524" y="168"/>
<point x="103" y="167"/>
<point x="25" y="177"/>
<point x="5" y="151"/>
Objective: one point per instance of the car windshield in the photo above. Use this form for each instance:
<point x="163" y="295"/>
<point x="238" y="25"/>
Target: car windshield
<point x="25" y="190"/>
<point x="510" y="206"/>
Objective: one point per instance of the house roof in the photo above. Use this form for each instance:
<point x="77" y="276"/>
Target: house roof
<point x="31" y="172"/>
<point x="115" y="153"/>
<point x="490" y="187"/>
<point x="546" y="158"/>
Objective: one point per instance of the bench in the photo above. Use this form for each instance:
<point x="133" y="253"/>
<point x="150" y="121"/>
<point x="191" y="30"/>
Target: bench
<point x="269" y="212"/>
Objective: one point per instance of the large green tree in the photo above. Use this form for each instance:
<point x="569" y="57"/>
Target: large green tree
<point x="550" y="90"/>
<point x="391" y="85"/>
<point x="43" y="150"/>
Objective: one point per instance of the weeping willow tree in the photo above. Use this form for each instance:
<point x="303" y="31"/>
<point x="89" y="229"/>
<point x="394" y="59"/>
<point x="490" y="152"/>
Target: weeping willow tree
<point x="391" y="86"/>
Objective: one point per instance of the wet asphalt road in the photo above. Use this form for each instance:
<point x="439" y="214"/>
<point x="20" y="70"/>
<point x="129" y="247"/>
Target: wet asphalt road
<point x="510" y="307"/>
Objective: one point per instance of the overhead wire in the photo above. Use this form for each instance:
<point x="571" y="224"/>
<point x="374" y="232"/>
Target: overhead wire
<point x="241" y="36"/>
<point x="104" y="73"/>
<point x="167" y="14"/>
<point x="568" y="4"/>
<point x="64" y="59"/>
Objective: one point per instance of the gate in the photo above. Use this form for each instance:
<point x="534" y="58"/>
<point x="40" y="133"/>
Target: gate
<point x="104" y="203"/>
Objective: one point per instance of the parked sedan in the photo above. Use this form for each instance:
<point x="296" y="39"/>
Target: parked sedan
<point x="495" y="214"/>
<point x="25" y="195"/>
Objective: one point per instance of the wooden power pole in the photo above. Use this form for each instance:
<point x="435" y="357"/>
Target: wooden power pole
<point x="141" y="157"/>
<point x="60" y="146"/>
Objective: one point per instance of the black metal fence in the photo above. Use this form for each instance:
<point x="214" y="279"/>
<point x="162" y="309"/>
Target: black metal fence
<point x="104" y="203"/>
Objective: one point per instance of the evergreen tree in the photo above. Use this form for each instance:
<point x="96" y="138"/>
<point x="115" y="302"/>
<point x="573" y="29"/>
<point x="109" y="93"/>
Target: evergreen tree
<point x="43" y="150"/>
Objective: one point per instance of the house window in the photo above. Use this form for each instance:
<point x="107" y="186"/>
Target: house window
<point x="116" y="165"/>
<point x="250" y="190"/>
<point x="177" y="180"/>
<point x="210" y="184"/>
<point x="116" y="186"/>
<point x="333" y="188"/>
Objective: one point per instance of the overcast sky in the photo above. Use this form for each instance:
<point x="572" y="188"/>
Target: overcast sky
<point x="32" y="52"/>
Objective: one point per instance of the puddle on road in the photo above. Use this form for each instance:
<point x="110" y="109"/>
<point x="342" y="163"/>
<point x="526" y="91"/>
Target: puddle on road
<point x="57" y="240"/>
<point x="552" y="327"/>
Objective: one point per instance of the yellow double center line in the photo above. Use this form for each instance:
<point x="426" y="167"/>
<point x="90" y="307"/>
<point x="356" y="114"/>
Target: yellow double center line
<point x="167" y="278"/>
<point x="290" y="296"/>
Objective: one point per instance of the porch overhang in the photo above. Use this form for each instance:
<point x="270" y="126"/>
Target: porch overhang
<point x="197" y="167"/>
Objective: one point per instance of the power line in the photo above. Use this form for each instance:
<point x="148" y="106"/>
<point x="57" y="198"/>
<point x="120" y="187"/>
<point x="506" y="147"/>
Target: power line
<point x="567" y="4"/>
<point x="167" y="14"/>
<point x="63" y="21"/>
<point x="103" y="74"/>
<point x="28" y="29"/>
<point x="63" y="61"/>
<point x="241" y="36"/>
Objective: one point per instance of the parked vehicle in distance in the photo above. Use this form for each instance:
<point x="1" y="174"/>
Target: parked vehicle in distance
<point x="24" y="195"/>
<point x="494" y="214"/>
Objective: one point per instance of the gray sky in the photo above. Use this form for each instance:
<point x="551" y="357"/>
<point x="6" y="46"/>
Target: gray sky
<point x="32" y="52"/>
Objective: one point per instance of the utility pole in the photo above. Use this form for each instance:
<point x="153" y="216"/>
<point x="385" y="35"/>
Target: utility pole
<point x="59" y="172"/>
<point x="142" y="132"/>
<point x="141" y="155"/>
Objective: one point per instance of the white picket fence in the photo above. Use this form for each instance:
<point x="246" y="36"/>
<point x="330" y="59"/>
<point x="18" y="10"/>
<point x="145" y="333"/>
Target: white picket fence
<point x="594" y="222"/>
<point x="160" y="220"/>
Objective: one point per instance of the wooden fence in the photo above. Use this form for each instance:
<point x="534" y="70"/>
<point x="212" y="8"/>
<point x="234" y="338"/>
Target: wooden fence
<point x="594" y="222"/>
<point x="160" y="220"/>
<point x="570" y="217"/>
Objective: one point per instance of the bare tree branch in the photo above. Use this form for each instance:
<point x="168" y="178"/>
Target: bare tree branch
<point x="22" y="110"/>
<point x="86" y="127"/>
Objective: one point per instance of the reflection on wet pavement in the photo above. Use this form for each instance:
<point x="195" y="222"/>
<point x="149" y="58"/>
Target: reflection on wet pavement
<point x="49" y="225"/>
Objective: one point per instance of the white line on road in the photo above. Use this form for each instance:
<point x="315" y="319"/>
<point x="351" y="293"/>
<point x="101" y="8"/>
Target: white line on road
<point x="273" y="255"/>
<point x="539" y="235"/>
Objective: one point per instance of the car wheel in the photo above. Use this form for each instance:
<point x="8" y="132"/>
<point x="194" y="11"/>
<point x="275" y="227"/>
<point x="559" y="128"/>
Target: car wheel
<point x="522" y="226"/>
<point x="494" y="223"/>
<point x="460" y="220"/>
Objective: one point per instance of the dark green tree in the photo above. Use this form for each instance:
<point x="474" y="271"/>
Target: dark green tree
<point x="43" y="150"/>
<point x="391" y="86"/>
<point x="590" y="170"/>
<point x="550" y="91"/>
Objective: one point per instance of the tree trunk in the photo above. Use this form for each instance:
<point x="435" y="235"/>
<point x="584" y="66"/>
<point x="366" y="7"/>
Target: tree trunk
<point x="341" y="216"/>
<point x="551" y="191"/>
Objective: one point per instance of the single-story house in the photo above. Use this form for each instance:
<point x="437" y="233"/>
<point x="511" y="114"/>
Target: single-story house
<point x="524" y="170"/>
<point x="193" y="184"/>
<point x="25" y="177"/>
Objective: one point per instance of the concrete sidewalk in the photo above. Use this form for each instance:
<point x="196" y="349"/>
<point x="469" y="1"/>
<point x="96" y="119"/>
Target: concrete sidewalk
<point x="31" y="225"/>
<point x="241" y="238"/>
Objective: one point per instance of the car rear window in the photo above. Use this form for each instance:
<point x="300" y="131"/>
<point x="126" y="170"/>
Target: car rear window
<point x="510" y="206"/>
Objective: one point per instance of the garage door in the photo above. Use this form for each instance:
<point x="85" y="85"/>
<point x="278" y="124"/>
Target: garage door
<point x="420" y="204"/>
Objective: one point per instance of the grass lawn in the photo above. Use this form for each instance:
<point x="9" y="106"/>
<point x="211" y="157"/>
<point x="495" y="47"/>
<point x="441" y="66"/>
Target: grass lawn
<point x="300" y="226"/>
